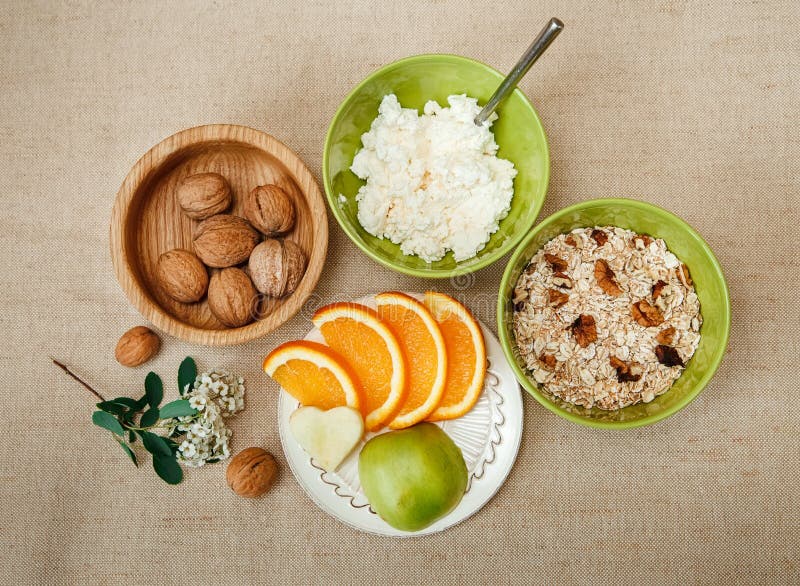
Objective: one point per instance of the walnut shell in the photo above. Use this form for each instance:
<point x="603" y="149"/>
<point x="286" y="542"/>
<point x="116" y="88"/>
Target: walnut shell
<point x="277" y="267"/>
<point x="137" y="346"/>
<point x="251" y="472"/>
<point x="182" y="276"/>
<point x="269" y="209"/>
<point x="203" y="195"/>
<point x="224" y="240"/>
<point x="232" y="298"/>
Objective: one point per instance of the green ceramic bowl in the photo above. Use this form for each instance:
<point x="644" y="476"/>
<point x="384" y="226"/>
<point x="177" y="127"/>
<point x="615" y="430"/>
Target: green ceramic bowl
<point x="709" y="283"/>
<point x="415" y="80"/>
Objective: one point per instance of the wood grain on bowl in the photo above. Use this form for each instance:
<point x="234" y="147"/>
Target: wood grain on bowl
<point x="147" y="221"/>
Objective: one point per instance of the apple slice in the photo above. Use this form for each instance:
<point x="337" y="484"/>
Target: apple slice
<point x="327" y="436"/>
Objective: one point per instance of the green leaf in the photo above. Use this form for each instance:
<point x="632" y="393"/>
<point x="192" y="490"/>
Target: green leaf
<point x="141" y="403"/>
<point x="132" y="437"/>
<point x="149" y="417"/>
<point x="128" y="451"/>
<point x="127" y="417"/>
<point x="187" y="372"/>
<point x="179" y="408"/>
<point x="112" y="407"/>
<point x="173" y="445"/>
<point x="127" y="402"/>
<point x="168" y="469"/>
<point x="155" y="444"/>
<point x="153" y="388"/>
<point x="106" y="421"/>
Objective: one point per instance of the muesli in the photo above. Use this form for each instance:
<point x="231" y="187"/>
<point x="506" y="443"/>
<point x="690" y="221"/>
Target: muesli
<point x="605" y="317"/>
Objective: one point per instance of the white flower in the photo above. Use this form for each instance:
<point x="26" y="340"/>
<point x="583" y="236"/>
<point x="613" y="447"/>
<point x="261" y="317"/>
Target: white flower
<point x="187" y="449"/>
<point x="199" y="430"/>
<point x="215" y="395"/>
<point x="211" y="413"/>
<point x="197" y="402"/>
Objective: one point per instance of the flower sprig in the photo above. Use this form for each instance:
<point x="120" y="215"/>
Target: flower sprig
<point x="196" y="432"/>
<point x="130" y="420"/>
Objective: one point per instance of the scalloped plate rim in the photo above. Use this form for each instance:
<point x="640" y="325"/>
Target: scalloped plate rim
<point x="481" y="488"/>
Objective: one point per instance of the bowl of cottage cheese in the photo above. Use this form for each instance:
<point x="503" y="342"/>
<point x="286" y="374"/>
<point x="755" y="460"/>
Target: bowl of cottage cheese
<point x="417" y="185"/>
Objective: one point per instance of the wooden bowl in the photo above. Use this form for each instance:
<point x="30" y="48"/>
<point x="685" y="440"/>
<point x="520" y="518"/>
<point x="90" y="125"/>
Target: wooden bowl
<point x="147" y="221"/>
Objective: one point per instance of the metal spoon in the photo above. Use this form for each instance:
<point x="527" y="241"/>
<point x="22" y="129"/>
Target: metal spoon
<point x="539" y="45"/>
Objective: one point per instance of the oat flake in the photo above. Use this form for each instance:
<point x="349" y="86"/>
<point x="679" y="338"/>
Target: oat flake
<point x="620" y="366"/>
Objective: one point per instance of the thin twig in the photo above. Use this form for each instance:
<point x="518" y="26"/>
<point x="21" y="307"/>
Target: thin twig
<point x="77" y="378"/>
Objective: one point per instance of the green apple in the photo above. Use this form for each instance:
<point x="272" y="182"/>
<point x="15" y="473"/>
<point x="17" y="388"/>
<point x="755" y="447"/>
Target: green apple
<point x="412" y="477"/>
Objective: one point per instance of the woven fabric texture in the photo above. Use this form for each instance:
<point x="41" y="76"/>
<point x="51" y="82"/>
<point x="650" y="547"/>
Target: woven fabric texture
<point x="693" y="106"/>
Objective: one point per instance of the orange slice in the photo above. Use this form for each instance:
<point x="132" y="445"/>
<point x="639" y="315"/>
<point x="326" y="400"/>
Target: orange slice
<point x="466" y="356"/>
<point x="313" y="374"/>
<point x="425" y="352"/>
<point x="372" y="351"/>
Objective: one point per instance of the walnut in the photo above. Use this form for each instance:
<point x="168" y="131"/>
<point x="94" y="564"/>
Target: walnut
<point x="277" y="267"/>
<point x="137" y="346"/>
<point x="224" y="240"/>
<point x="251" y="472"/>
<point x="182" y="276"/>
<point x="557" y="298"/>
<point x="549" y="360"/>
<point x="232" y="298"/>
<point x="663" y="295"/>
<point x="584" y="330"/>
<point x="204" y="195"/>
<point x="270" y="210"/>
<point x="658" y="288"/>
<point x="570" y="239"/>
<point x="557" y="264"/>
<point x="646" y="315"/>
<point x="606" y="279"/>
<point x="642" y="241"/>
<point x="600" y="237"/>
<point x="562" y="280"/>
<point x="627" y="372"/>
<point x="666" y="336"/>
<point x="668" y="356"/>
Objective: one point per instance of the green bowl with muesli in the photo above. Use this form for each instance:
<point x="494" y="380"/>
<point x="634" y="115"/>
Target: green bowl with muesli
<point x="702" y="281"/>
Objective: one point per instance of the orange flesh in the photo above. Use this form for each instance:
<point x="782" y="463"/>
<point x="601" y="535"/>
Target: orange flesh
<point x="310" y="384"/>
<point x="418" y="347"/>
<point x="460" y="360"/>
<point x="365" y="352"/>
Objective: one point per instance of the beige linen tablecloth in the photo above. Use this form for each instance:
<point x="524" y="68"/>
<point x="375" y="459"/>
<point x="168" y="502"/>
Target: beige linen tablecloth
<point x="690" y="105"/>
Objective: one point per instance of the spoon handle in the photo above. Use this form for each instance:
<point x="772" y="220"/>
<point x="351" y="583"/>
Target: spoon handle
<point x="546" y="36"/>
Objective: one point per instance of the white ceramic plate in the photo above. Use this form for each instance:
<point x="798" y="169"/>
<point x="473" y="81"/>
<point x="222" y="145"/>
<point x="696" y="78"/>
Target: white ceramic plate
<point x="488" y="436"/>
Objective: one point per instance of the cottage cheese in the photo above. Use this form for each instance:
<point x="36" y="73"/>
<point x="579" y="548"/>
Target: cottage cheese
<point x="433" y="182"/>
